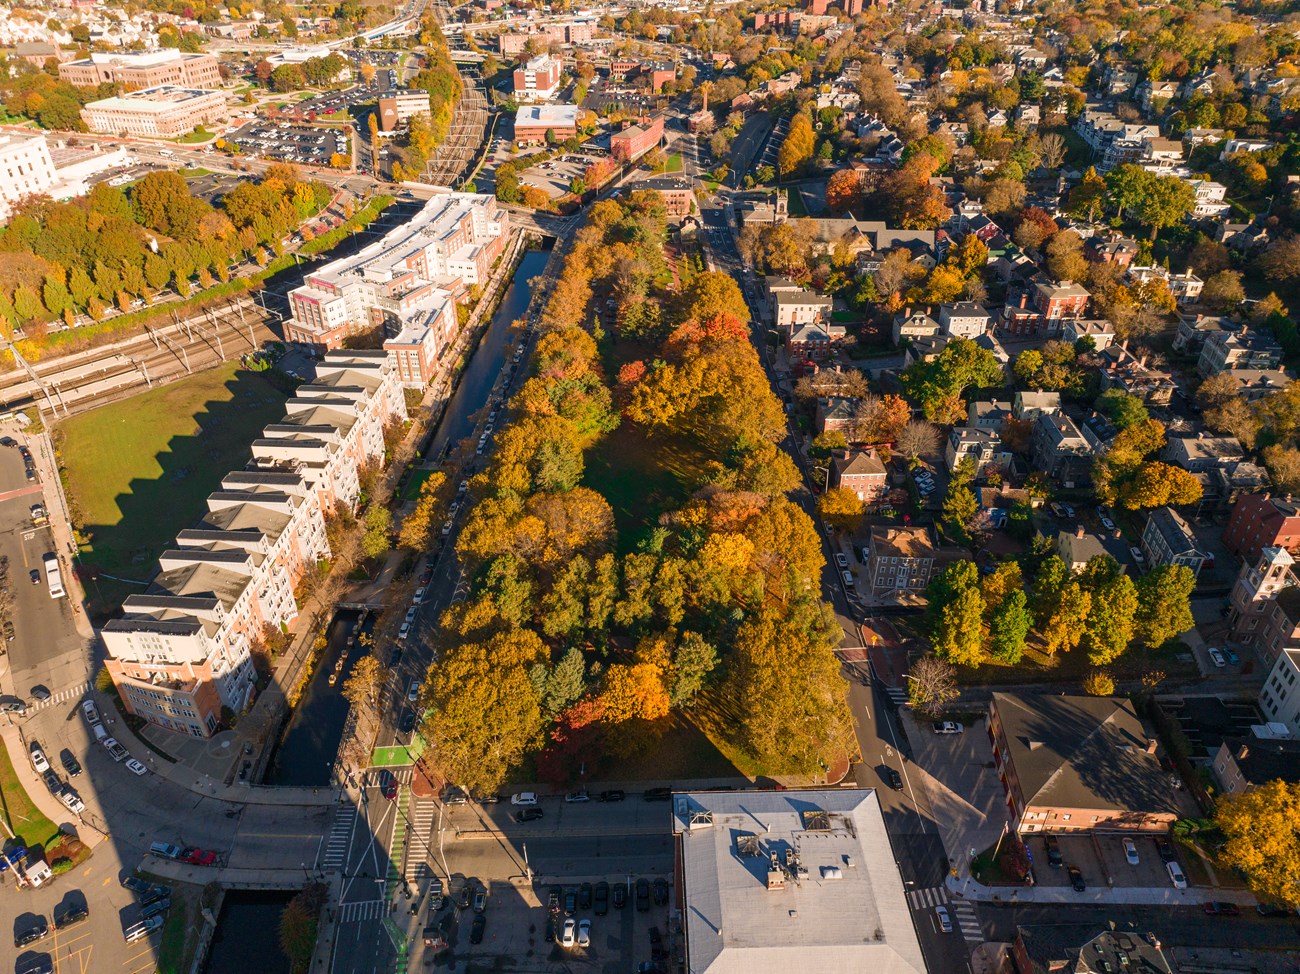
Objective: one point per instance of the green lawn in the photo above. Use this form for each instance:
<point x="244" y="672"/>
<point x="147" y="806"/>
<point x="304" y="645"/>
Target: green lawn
<point x="674" y="163"/>
<point x="138" y="471"/>
<point x="23" y="818"/>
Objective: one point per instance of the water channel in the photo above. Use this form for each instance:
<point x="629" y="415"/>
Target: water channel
<point x="247" y="937"/>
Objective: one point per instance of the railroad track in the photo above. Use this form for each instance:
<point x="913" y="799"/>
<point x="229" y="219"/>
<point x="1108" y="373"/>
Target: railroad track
<point x="450" y="161"/>
<point x="85" y="380"/>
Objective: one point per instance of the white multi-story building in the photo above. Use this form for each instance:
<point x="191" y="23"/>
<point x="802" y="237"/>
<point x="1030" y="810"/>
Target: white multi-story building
<point x="26" y="168"/>
<point x="538" y="79"/>
<point x="404" y="282"/>
<point x="181" y="653"/>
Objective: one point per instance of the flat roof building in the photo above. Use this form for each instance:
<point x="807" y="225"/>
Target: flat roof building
<point x="26" y="167"/>
<point x="538" y="79"/>
<point x="166" y="112"/>
<point x="532" y="122"/>
<point x="778" y="882"/>
<point x="143" y="69"/>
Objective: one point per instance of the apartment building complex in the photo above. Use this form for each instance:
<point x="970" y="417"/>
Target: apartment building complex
<point x="634" y="141"/>
<point x="182" y="650"/>
<point x="405" y="283"/>
<point x="537" y="79"/>
<point x="167" y="112"/>
<point x="143" y="69"/>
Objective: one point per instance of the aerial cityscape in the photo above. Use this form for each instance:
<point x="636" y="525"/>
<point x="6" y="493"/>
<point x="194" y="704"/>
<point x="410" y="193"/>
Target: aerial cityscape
<point x="679" y="488"/>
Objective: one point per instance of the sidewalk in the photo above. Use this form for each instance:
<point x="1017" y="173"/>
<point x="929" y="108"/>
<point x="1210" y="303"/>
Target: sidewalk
<point x="1139" y="895"/>
<point x="40" y="796"/>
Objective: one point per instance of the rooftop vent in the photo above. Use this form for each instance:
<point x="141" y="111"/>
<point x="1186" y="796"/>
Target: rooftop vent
<point x="816" y="820"/>
<point x="747" y="846"/>
<point x="775" y="880"/>
<point x="832" y="872"/>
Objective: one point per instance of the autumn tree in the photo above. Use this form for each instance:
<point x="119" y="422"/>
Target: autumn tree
<point x="379" y="523"/>
<point x="841" y="509"/>
<point x="797" y="148"/>
<point x="1098" y="683"/>
<point x="636" y="691"/>
<point x="365" y="684"/>
<point x="562" y="685"/>
<point x="1164" y="606"/>
<point x="843" y="191"/>
<point x="1111" y="623"/>
<point x="931" y="686"/>
<point x="937" y="385"/>
<point x="917" y="439"/>
<point x="1261" y="840"/>
<point x="417" y="525"/>
<point x="1062" y="629"/>
<point x="955" y="615"/>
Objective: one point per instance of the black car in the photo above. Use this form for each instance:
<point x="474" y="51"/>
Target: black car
<point x="408" y="722"/>
<point x="1076" y="879"/>
<point x="602" y="899"/>
<point x="1216" y="908"/>
<point x="70" y="763"/>
<point x="642" y="895"/>
<point x="1273" y="910"/>
<point x="395" y="656"/>
<point x="462" y="898"/>
<point x="1054" y="858"/>
<point x="657" y="949"/>
<point x="584" y="896"/>
<point x="570" y="902"/>
<point x="658" y="794"/>
<point x="1166" y="850"/>
<point x="614" y="795"/>
<point x="35" y="576"/>
<point x="476" y="931"/>
<point x="53" y="783"/>
<point x="894" y="779"/>
<point x="553" y="899"/>
<point x="38" y="929"/>
<point x="72" y="914"/>
<point x="619" y="896"/>
<point x="35" y="964"/>
<point x="244" y="769"/>
<point x="528" y="814"/>
<point x="661" y="891"/>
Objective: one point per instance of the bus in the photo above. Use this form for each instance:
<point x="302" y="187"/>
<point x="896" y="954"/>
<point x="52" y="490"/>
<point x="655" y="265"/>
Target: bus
<point x="53" y="577"/>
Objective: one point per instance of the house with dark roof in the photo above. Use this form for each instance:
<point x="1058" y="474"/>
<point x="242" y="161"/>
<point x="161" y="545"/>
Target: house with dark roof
<point x="1078" y="547"/>
<point x="1167" y="540"/>
<point x="1074" y="763"/>
<point x="1242" y="763"/>
<point x="1078" y="948"/>
<point x="861" y="472"/>
<point x="836" y="414"/>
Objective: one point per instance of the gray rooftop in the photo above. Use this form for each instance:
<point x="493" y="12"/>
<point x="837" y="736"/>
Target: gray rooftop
<point x="835" y="907"/>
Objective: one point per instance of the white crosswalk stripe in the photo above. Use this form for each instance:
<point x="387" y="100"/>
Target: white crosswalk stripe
<point x="365" y="910"/>
<point x="336" y="844"/>
<point x="968" y="920"/>
<point x="423" y="812"/>
<point x="62" y="696"/>
<point x="923" y="899"/>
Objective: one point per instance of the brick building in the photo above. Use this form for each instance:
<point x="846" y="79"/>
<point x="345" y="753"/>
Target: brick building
<point x="633" y="141"/>
<point x="532" y="122"/>
<point x="861" y="472"/>
<point x="538" y="79"/>
<point x="677" y="193"/>
<point x="145" y="69"/>
<point x="1261" y="521"/>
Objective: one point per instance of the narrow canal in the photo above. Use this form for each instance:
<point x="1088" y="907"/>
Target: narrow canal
<point x="247" y="937"/>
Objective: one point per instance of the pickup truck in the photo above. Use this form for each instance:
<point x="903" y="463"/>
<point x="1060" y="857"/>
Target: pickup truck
<point x="118" y="752"/>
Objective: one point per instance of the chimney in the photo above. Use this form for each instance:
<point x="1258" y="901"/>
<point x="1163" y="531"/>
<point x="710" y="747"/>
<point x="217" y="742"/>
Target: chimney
<point x="1243" y="752"/>
<point x="1078" y="532"/>
<point x="1152" y="744"/>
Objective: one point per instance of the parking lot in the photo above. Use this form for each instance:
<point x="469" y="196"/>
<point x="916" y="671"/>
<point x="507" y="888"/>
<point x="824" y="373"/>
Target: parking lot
<point x="529" y="921"/>
<point x="1101" y="859"/>
<point x="292" y="143"/>
<point x="555" y="176"/>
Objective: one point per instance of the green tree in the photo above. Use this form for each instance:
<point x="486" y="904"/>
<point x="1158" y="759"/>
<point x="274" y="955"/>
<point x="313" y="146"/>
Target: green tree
<point x="959" y="507"/>
<point x="1009" y="627"/>
<point x="959" y="637"/>
<point x="1164" y="603"/>
<point x="562" y="685"/>
<point x="1123" y="409"/>
<point x="1111" y="619"/>
<point x="694" y="661"/>
<point x="1166" y="201"/>
<point x="55" y="294"/>
<point x="379" y="523"/>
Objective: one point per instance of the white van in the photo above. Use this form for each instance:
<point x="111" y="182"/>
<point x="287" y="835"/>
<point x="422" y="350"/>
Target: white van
<point x="100" y="734"/>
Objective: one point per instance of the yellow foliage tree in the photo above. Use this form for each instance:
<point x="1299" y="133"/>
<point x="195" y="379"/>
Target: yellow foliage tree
<point x="635" y="691"/>
<point x="1263" y="840"/>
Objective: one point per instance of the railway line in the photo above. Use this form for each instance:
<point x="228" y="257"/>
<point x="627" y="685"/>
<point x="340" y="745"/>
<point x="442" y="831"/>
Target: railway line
<point x="452" y="159"/>
<point x="84" y="380"/>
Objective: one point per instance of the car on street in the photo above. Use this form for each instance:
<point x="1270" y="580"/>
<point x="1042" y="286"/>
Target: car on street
<point x="893" y="778"/>
<point x="584" y="933"/>
<point x="1232" y="658"/>
<point x="528" y="815"/>
<point x="52" y="782"/>
<point x="41" y="692"/>
<point x="841" y="559"/>
<point x="947" y="727"/>
<point x="612" y="795"/>
<point x="476" y="929"/>
<point x="660" y="891"/>
<point x="657" y="794"/>
<point x="454" y="795"/>
<point x="199" y="857"/>
<point x="395" y="656"/>
<point x="1054" y="858"/>
<point x="72" y="800"/>
<point x="388" y="785"/>
<point x="39" y="760"/>
<point x="943" y="919"/>
<point x="410" y="615"/>
<point x="407" y="723"/>
<point x="642" y="895"/>
<point x="1130" y="852"/>
<point x="619" y="896"/>
<point x="12" y="705"/>
<point x="1176" y="875"/>
<point x="602" y="899"/>
<point x="70" y="763"/>
<point x="35" y="576"/>
<point x="1057" y="509"/>
<point x="1106" y="522"/>
<point x="577" y="797"/>
<point x="569" y="933"/>
<point x="36" y="930"/>
<point x="524" y="798"/>
<point x="1273" y="910"/>
<point x="1216" y="657"/>
<point x="413" y="691"/>
<point x="69" y="915"/>
<point x="1076" y="878"/>
<point x="1217" y="908"/>
<point x="480" y="900"/>
<point x="136" y="767"/>
<point x="404" y="630"/>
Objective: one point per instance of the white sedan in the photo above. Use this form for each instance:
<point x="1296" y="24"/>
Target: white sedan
<point x="584" y="933"/>
<point x="568" y="935"/>
<point x="1216" y="657"/>
<point x="135" y="767"/>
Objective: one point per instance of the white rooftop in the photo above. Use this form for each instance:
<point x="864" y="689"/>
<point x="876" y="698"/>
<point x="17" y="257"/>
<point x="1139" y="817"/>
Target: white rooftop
<point x="552" y="116"/>
<point x="834" y="903"/>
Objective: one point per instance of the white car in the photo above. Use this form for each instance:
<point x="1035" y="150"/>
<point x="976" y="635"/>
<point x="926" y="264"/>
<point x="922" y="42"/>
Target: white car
<point x="1216" y="657"/>
<point x="1176" y="875"/>
<point x="135" y="767"/>
<point x="410" y="614"/>
<point x="88" y="708"/>
<point x="413" y="691"/>
<point x="1138" y="557"/>
<point x="418" y="597"/>
<point x="568" y="934"/>
<point x="841" y="559"/>
<point x="404" y="631"/>
<point x="1130" y="852"/>
<point x="847" y="578"/>
<point x="1107" y="523"/>
<point x="524" y="798"/>
<point x="947" y="727"/>
<point x="584" y="933"/>
<point x="39" y="761"/>
<point x="945" y="921"/>
<point x="70" y="798"/>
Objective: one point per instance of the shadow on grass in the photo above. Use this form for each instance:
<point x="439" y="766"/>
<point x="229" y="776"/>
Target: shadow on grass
<point x="138" y="471"/>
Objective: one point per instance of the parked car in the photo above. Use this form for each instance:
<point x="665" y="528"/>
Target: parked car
<point x="199" y="857"/>
<point x="569" y="933"/>
<point x="612" y="795"/>
<point x="39" y="760"/>
<point x="38" y="929"/>
<point x="945" y="921"/>
<point x="407" y="723"/>
<point x="1166" y="850"/>
<point x="577" y="797"/>
<point x="661" y="891"/>
<point x="619" y="896"/>
<point x="1106" y="522"/>
<point x="1216" y="657"/>
<point x="480" y="900"/>
<point x="1076" y="879"/>
<point x="1218" y="908"/>
<point x="657" y="794"/>
<point x="525" y="798"/>
<point x="70" y="763"/>
<point x="584" y="933"/>
<point x="476" y="929"/>
<point x="893" y="778"/>
<point x="72" y="800"/>
<point x="1138" y="557"/>
<point x="947" y="727"/>
<point x="602" y="899"/>
<point x="586" y="894"/>
<point x="1130" y="852"/>
<point x="553" y="899"/>
<point x="642" y="895"/>
<point x="528" y="815"/>
<point x="1054" y="858"/>
<point x="1176" y="875"/>
<point x="135" y="767"/>
<point x="1232" y="658"/>
<point x="570" y="902"/>
<point x="53" y="782"/>
<point x="841" y="559"/>
<point x="847" y="578"/>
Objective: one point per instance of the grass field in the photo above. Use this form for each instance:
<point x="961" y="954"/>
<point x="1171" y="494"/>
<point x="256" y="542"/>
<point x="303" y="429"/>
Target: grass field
<point x="22" y="817"/>
<point x="138" y="471"/>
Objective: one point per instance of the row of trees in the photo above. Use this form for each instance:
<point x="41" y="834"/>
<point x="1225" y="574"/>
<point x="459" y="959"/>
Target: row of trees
<point x="1100" y="608"/>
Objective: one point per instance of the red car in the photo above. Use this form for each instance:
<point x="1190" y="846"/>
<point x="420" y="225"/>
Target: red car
<point x="199" y="857"/>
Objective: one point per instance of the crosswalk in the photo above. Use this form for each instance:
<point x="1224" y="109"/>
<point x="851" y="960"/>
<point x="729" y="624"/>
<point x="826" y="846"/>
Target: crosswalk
<point x="340" y="837"/>
<point x="364" y="910"/>
<point x="962" y="911"/>
<point x="403" y="775"/>
<point x="80" y="690"/>
<point x="423" y="812"/>
<point x="897" y="696"/>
